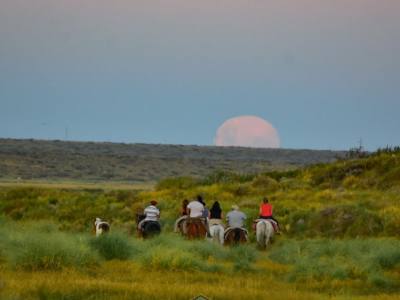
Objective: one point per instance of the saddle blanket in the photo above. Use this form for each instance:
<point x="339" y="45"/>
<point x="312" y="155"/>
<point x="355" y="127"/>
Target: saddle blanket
<point x="229" y="229"/>
<point x="273" y="223"/>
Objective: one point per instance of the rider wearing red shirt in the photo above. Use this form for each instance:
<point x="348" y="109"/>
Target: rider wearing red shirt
<point x="266" y="211"/>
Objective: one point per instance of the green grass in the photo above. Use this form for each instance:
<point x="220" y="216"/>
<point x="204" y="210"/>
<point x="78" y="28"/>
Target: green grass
<point x="43" y="247"/>
<point x="114" y="246"/>
<point x="370" y="260"/>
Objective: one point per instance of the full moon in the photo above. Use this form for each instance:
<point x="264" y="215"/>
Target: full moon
<point x="247" y="131"/>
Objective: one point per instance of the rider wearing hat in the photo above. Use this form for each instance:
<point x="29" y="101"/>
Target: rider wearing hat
<point x="235" y="217"/>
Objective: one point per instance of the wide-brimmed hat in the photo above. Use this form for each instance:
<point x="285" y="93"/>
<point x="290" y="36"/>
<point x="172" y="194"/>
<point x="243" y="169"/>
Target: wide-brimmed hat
<point x="235" y="207"/>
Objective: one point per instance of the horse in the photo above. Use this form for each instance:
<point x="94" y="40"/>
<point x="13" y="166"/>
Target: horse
<point x="235" y="236"/>
<point x="217" y="233"/>
<point x="195" y="228"/>
<point x="180" y="225"/>
<point x="264" y="233"/>
<point x="101" y="227"/>
<point x="149" y="228"/>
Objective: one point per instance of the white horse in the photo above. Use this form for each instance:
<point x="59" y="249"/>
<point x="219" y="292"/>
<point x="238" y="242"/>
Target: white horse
<point x="101" y="227"/>
<point x="264" y="232"/>
<point x="217" y="233"/>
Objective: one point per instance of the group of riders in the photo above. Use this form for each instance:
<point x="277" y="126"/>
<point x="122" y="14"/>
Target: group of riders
<point x="197" y="212"/>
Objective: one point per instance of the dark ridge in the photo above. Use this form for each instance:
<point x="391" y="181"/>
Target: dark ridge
<point x="93" y="161"/>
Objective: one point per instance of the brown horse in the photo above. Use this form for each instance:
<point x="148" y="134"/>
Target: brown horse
<point x="235" y="236"/>
<point x="195" y="228"/>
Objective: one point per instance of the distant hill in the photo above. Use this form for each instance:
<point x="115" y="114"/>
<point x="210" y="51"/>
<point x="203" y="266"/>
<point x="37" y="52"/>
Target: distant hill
<point x="94" y="161"/>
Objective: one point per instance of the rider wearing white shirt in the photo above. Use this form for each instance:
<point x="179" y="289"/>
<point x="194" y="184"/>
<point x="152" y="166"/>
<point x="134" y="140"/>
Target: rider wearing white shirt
<point x="195" y="209"/>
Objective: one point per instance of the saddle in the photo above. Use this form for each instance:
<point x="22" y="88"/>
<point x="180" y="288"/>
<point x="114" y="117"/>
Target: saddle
<point x="272" y="222"/>
<point x="230" y="229"/>
<point x="195" y="221"/>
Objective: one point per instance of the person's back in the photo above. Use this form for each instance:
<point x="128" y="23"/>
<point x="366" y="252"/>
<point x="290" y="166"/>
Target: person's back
<point x="196" y="209"/>
<point x="152" y="213"/>
<point x="266" y="213"/>
<point x="216" y="211"/>
<point x="236" y="218"/>
<point x="266" y="210"/>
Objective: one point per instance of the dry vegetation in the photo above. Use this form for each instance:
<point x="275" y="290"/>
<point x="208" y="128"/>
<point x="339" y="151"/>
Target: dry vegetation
<point x="87" y="161"/>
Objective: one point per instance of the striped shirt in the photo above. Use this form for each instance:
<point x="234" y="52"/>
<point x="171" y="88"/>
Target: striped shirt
<point x="152" y="213"/>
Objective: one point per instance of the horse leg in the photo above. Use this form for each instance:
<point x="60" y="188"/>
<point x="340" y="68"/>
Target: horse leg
<point x="269" y="230"/>
<point x="221" y="235"/>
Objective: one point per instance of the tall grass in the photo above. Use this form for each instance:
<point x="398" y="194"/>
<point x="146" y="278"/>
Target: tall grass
<point x="114" y="246"/>
<point x="45" y="248"/>
<point x="369" y="260"/>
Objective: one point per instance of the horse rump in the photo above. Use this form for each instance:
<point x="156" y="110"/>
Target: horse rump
<point x="151" y="228"/>
<point x="217" y="233"/>
<point x="235" y="236"/>
<point x="104" y="227"/>
<point x="195" y="228"/>
<point x="264" y="233"/>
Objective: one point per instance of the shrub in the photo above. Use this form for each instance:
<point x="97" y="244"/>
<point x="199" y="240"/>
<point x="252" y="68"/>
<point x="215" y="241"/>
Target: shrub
<point x="265" y="183"/>
<point x="36" y="250"/>
<point x="114" y="246"/>
<point x="160" y="257"/>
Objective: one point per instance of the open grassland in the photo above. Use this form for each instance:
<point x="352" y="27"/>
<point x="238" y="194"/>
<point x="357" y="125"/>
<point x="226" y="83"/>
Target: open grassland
<point x="340" y="221"/>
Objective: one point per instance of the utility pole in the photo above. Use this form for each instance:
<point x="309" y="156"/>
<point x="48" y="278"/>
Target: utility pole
<point x="361" y="147"/>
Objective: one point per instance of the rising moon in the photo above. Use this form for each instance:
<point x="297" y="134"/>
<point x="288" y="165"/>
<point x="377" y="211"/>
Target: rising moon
<point x="247" y="131"/>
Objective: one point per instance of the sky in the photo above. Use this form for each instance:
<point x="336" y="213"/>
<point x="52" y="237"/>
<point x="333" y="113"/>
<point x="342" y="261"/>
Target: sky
<point x="324" y="73"/>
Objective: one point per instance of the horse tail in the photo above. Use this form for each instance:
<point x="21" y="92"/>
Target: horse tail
<point x="261" y="233"/>
<point x="237" y="232"/>
<point x="269" y="231"/>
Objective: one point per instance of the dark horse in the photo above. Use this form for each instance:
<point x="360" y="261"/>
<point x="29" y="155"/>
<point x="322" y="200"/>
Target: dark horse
<point x="235" y="236"/>
<point x="195" y="228"/>
<point x="149" y="228"/>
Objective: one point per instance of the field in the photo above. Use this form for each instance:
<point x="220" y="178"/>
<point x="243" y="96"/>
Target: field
<point x="341" y="224"/>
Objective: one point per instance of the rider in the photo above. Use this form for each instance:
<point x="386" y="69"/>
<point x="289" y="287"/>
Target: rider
<point x="215" y="214"/>
<point x="236" y="218"/>
<point x="151" y="212"/>
<point x="205" y="215"/>
<point x="195" y="209"/>
<point x="184" y="207"/>
<point x="266" y="213"/>
<point x="183" y="215"/>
